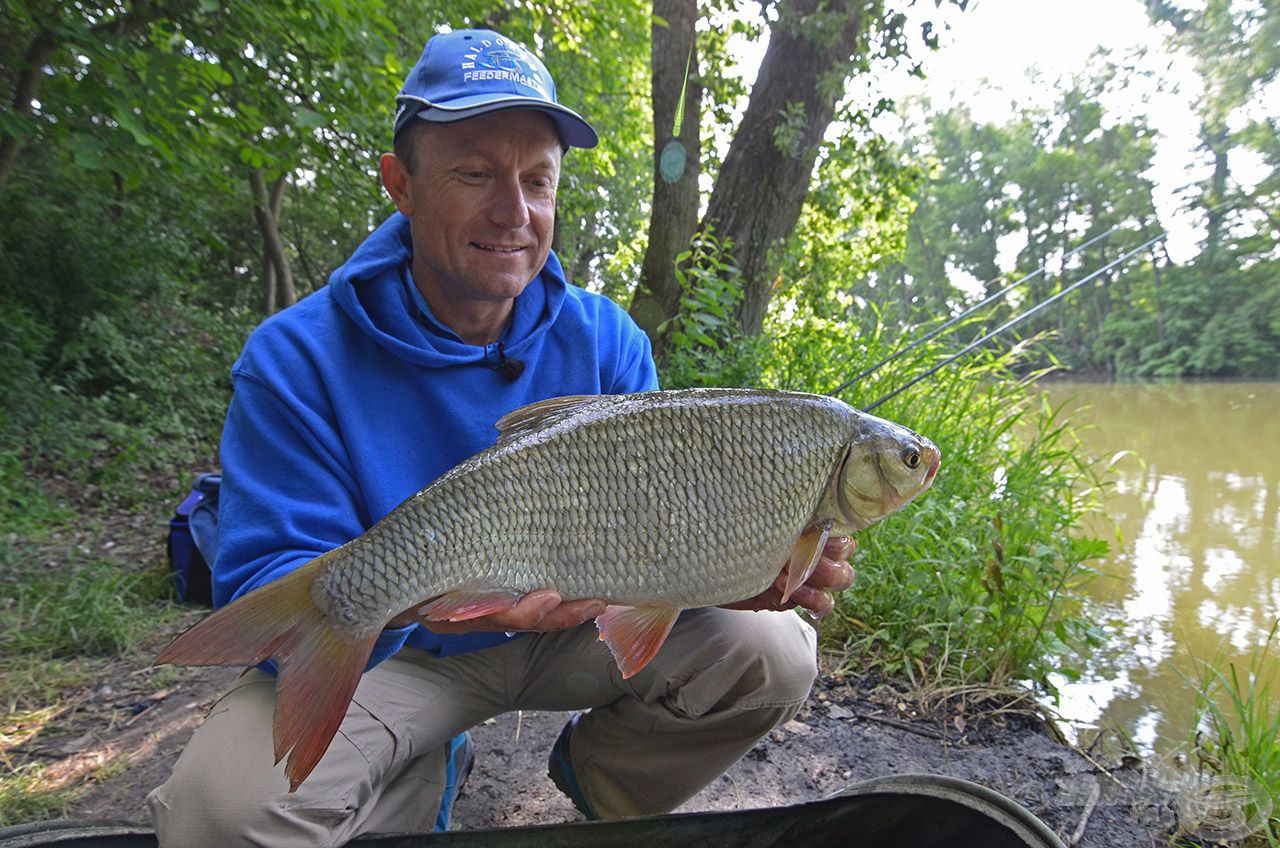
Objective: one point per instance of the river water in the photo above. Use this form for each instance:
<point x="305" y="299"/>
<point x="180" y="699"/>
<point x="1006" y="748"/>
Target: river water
<point x="1196" y="569"/>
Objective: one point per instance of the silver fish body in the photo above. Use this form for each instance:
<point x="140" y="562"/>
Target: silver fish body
<point x="690" y="497"/>
<point x="656" y="502"/>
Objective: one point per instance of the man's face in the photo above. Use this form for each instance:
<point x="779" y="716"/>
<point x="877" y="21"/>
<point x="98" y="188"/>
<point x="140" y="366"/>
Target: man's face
<point x="481" y="199"/>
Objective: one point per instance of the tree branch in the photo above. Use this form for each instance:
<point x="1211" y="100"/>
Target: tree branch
<point x="41" y="50"/>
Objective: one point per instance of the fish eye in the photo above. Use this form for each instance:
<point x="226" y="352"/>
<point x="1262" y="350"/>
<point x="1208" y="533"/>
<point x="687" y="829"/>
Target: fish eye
<point x="911" y="457"/>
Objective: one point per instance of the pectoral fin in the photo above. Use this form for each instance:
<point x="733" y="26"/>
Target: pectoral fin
<point x="805" y="556"/>
<point x="634" y="634"/>
<point x="466" y="603"/>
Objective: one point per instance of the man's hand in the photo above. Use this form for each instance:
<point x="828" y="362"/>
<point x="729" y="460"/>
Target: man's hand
<point x="541" y="610"/>
<point x="832" y="574"/>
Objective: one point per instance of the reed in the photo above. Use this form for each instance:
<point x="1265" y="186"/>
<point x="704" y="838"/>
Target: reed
<point x="1236" y="732"/>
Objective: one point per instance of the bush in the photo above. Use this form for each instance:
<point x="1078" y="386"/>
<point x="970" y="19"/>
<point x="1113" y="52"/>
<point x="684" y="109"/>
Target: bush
<point x="705" y="346"/>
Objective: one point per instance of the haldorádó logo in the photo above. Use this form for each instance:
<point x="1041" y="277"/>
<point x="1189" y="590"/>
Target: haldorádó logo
<point x="504" y="60"/>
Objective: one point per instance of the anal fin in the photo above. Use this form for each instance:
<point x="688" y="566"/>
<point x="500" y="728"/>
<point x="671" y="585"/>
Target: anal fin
<point x="634" y="634"/>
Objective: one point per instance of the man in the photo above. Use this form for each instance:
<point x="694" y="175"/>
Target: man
<point x="451" y="314"/>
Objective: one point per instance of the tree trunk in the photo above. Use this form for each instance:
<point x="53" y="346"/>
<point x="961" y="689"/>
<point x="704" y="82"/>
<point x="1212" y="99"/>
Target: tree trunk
<point x="1216" y="140"/>
<point x="24" y="94"/>
<point x="676" y="167"/>
<point x="277" y="275"/>
<point x="269" y="288"/>
<point x="765" y="177"/>
<point x="117" y="202"/>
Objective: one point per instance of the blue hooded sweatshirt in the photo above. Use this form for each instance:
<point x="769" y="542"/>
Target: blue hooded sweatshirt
<point x="356" y="397"/>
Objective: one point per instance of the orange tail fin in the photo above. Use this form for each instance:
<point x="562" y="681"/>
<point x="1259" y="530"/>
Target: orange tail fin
<point x="318" y="666"/>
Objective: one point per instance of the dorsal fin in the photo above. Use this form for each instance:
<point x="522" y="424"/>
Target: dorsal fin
<point x="535" y="415"/>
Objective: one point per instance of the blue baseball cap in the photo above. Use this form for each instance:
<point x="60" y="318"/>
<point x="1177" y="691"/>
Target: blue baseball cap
<point x="470" y="72"/>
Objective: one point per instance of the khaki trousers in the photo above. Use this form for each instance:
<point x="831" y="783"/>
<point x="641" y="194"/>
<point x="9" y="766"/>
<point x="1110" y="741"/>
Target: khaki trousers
<point x="722" y="680"/>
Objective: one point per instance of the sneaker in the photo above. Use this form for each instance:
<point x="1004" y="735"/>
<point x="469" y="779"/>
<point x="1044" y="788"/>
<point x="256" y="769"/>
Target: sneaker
<point x="462" y="756"/>
<point x="560" y="770"/>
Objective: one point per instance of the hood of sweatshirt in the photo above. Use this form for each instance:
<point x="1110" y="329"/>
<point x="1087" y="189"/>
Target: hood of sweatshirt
<point x="375" y="288"/>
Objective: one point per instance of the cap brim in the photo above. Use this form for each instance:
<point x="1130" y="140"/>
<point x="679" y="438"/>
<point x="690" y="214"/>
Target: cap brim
<point x="574" y="130"/>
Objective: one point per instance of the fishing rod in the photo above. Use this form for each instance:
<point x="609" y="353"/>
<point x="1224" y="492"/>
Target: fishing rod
<point x="955" y="319"/>
<point x="1012" y="321"/>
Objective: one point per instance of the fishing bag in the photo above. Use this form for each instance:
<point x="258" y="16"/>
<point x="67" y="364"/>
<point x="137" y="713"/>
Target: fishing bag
<point x="193" y="540"/>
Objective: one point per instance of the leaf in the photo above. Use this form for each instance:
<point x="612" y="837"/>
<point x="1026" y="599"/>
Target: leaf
<point x="133" y="125"/>
<point x="89" y="158"/>
<point x="252" y="157"/>
<point x="308" y="119"/>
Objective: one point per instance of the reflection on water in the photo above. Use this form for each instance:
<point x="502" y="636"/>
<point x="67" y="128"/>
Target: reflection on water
<point x="1196" y="568"/>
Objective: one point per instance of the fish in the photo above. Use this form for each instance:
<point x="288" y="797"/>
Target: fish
<point x="654" y="501"/>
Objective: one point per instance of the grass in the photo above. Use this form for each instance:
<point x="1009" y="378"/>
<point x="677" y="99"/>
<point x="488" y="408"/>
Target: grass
<point x="27" y="794"/>
<point x="34" y="791"/>
<point x="99" y="609"/>
<point x="51" y="622"/>
<point x="1237" y="735"/>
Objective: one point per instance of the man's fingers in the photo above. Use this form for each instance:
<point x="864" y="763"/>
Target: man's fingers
<point x="528" y="612"/>
<point x="816" y="601"/>
<point x="570" y="614"/>
<point x="540" y="610"/>
<point x="543" y="610"/>
<point x="839" y="547"/>
<point x="831" y="575"/>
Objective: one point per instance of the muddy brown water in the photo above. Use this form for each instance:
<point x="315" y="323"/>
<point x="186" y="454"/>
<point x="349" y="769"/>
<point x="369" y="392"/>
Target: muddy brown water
<point x="1194" y="573"/>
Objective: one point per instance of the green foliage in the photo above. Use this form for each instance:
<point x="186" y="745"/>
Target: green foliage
<point x="976" y="580"/>
<point x="707" y="347"/>
<point x="99" y="609"/>
<point x="1236" y="729"/>
<point x="130" y="259"/>
<point x="1056" y="177"/>
<point x="855" y="215"/>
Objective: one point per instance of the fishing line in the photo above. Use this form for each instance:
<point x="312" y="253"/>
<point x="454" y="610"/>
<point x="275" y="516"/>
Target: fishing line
<point x="1225" y="204"/>
<point x="954" y="320"/>
<point x="1012" y="321"/>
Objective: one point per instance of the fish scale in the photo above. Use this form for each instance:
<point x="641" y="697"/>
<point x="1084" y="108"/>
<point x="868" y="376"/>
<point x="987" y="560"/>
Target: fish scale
<point x="605" y="484"/>
<point x="655" y="502"/>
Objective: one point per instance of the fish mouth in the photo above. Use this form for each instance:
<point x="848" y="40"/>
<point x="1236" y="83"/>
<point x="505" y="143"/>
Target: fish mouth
<point x="933" y="469"/>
